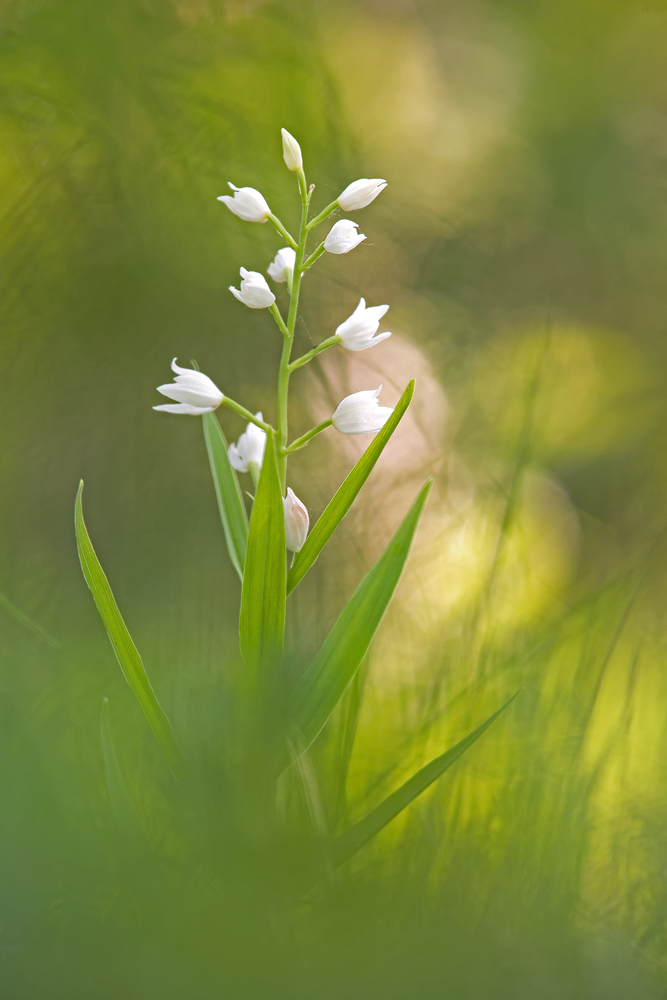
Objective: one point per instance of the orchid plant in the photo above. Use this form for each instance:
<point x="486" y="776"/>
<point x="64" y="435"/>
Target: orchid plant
<point x="279" y="520"/>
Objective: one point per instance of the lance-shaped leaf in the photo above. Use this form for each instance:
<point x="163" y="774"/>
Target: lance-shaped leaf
<point x="262" y="620"/>
<point x="344" y="497"/>
<point x="319" y="690"/>
<point x="354" y="839"/>
<point x="228" y="492"/>
<point x="121" y="640"/>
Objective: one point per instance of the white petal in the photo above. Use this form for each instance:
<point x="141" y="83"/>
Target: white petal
<point x="193" y="411"/>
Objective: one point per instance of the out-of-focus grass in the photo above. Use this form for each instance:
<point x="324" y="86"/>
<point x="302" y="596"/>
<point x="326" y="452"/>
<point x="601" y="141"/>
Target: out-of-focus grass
<point x="521" y="246"/>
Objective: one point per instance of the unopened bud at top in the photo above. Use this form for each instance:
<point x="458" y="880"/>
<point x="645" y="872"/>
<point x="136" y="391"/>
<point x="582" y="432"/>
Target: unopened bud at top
<point x="291" y="151"/>
<point x="296" y="521"/>
<point x="248" y="203"/>
<point x="360" y="193"/>
<point x="193" y="391"/>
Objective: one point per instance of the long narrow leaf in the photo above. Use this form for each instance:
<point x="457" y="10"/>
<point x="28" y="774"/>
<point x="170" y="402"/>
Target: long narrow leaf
<point x="354" y="839"/>
<point x="230" y="501"/>
<point x="344" y="497"/>
<point x="262" y="620"/>
<point x="319" y="690"/>
<point x="121" y="640"/>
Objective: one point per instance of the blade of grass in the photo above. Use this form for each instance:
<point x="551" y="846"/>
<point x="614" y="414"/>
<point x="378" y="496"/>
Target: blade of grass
<point x="352" y="840"/>
<point x="23" y="619"/>
<point x="319" y="690"/>
<point x="262" y="619"/>
<point x="123" y="811"/>
<point x="121" y="640"/>
<point x="344" y="497"/>
<point x="228" y="492"/>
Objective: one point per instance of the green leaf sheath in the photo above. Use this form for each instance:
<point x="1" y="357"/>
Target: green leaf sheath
<point x="344" y="497"/>
<point x="126" y="818"/>
<point x="354" y="839"/>
<point x="121" y="640"/>
<point x="228" y="492"/>
<point x="319" y="690"/>
<point x="262" y="621"/>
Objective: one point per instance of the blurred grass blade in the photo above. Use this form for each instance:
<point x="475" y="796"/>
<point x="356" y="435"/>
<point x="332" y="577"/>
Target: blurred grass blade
<point x="354" y="839"/>
<point x="321" y="687"/>
<point x="342" y="500"/>
<point x="262" y="620"/>
<point x="123" y="811"/>
<point x="23" y="619"/>
<point x="125" y="650"/>
<point x="230" y="501"/>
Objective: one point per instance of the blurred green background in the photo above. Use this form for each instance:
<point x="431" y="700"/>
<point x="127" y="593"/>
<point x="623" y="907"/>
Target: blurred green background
<point x="522" y="246"/>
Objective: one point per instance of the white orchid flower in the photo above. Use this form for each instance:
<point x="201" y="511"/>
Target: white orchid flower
<point x="282" y="264"/>
<point x="247" y="203"/>
<point x="249" y="449"/>
<point x="360" y="193"/>
<point x="291" y="151"/>
<point x="360" y="413"/>
<point x="195" y="392"/>
<point x="254" y="292"/>
<point x="356" y="333"/>
<point x="296" y="521"/>
<point x="343" y="237"/>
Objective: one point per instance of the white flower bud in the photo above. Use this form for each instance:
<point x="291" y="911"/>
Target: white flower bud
<point x="249" y="448"/>
<point x="195" y="392"/>
<point x="254" y="292"/>
<point x="360" y="193"/>
<point x="356" y="333"/>
<point x="343" y="237"/>
<point x="283" y="262"/>
<point x="296" y="521"/>
<point x="247" y="203"/>
<point x="291" y="151"/>
<point x="360" y="413"/>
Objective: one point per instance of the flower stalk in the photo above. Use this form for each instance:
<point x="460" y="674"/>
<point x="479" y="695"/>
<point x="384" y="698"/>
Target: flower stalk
<point x="308" y="437"/>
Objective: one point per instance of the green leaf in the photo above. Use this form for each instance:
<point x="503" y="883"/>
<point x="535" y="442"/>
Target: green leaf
<point x="354" y="839"/>
<point x="126" y="818"/>
<point x="230" y="501"/>
<point x="121" y="640"/>
<point x="344" y="497"/>
<point x="262" y="620"/>
<point x="319" y="690"/>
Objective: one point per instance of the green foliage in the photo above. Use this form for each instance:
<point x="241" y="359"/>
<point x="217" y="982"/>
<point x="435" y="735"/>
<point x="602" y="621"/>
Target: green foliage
<point x="353" y="839"/>
<point x="121" y="640"/>
<point x="262" y="618"/>
<point x="228" y="493"/>
<point x="345" y="495"/>
<point x="322" y="686"/>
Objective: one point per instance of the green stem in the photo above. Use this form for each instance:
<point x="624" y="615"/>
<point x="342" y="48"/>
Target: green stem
<point x="253" y="469"/>
<point x="242" y="412"/>
<point x="305" y="358"/>
<point x="275" y="221"/>
<point x="282" y="326"/>
<point x="313" y="257"/>
<point x="308" y="436"/>
<point x="284" y="371"/>
<point x="323" y="215"/>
